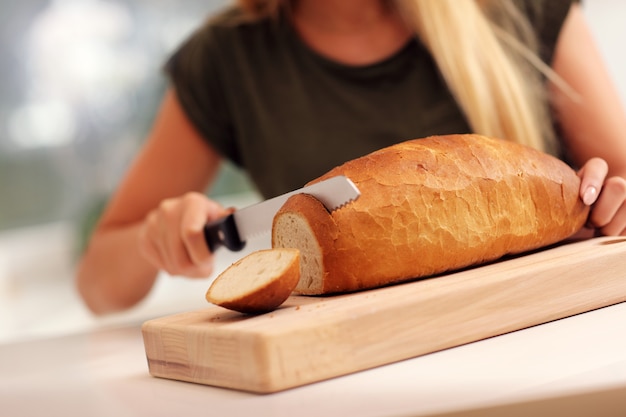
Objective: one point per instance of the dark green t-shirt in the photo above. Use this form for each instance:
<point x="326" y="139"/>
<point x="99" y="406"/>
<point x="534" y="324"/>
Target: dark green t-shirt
<point x="286" y="115"/>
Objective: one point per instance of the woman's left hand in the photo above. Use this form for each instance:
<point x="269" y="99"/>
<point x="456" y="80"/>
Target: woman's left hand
<point x="606" y="196"/>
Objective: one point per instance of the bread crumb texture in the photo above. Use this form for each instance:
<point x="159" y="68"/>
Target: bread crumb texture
<point x="257" y="283"/>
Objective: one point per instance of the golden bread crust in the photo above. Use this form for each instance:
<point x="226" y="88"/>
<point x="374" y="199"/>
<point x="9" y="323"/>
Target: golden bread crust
<point x="263" y="299"/>
<point x="437" y="204"/>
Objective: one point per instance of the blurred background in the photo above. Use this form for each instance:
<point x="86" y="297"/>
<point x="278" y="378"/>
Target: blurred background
<point x="80" y="82"/>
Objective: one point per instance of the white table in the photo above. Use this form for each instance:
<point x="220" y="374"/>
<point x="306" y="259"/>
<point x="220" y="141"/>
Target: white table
<point x="576" y="362"/>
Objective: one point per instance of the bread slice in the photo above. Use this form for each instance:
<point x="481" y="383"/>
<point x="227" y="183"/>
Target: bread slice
<point x="429" y="206"/>
<point x="304" y="223"/>
<point x="257" y="283"/>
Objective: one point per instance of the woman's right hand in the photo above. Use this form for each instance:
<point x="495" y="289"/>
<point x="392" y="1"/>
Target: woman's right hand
<point x="172" y="239"/>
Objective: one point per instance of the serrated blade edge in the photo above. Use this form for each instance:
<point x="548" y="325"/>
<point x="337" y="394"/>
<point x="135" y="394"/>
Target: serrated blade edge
<point x="257" y="219"/>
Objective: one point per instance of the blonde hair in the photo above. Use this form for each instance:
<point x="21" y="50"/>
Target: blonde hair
<point x="487" y="53"/>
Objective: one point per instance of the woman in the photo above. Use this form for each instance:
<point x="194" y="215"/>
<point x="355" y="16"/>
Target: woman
<point x="288" y="90"/>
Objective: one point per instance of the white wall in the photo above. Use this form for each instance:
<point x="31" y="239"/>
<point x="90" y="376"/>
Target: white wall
<point x="607" y="19"/>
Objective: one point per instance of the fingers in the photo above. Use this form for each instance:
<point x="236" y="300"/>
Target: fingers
<point x="592" y="176"/>
<point x="609" y="212"/>
<point x="157" y="239"/>
<point x="172" y="250"/>
<point x="193" y="219"/>
<point x="172" y="236"/>
<point x="607" y="196"/>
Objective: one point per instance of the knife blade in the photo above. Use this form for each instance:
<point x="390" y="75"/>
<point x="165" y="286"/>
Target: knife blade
<point x="234" y="230"/>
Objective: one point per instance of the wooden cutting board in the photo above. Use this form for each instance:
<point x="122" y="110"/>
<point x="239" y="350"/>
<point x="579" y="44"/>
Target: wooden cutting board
<point x="309" y="339"/>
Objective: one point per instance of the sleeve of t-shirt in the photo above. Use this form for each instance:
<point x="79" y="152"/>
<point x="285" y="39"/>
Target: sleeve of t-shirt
<point x="547" y="18"/>
<point x="194" y="72"/>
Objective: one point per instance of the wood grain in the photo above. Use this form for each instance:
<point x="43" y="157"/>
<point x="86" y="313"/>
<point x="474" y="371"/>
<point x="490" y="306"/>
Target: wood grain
<point x="309" y="339"/>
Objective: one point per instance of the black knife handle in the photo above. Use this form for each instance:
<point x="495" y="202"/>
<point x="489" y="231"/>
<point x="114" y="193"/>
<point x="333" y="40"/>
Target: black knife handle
<point x="223" y="232"/>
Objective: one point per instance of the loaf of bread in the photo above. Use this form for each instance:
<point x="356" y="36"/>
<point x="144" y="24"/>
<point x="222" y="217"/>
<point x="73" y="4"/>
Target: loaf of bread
<point x="428" y="206"/>
<point x="258" y="282"/>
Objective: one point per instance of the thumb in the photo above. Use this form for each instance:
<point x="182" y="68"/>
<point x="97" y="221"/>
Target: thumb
<point x="592" y="176"/>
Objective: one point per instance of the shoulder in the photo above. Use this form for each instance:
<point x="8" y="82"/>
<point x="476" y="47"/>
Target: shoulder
<point x="226" y="40"/>
<point x="231" y="28"/>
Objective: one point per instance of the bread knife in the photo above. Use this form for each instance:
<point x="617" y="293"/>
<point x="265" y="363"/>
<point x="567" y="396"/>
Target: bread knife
<point x="234" y="230"/>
